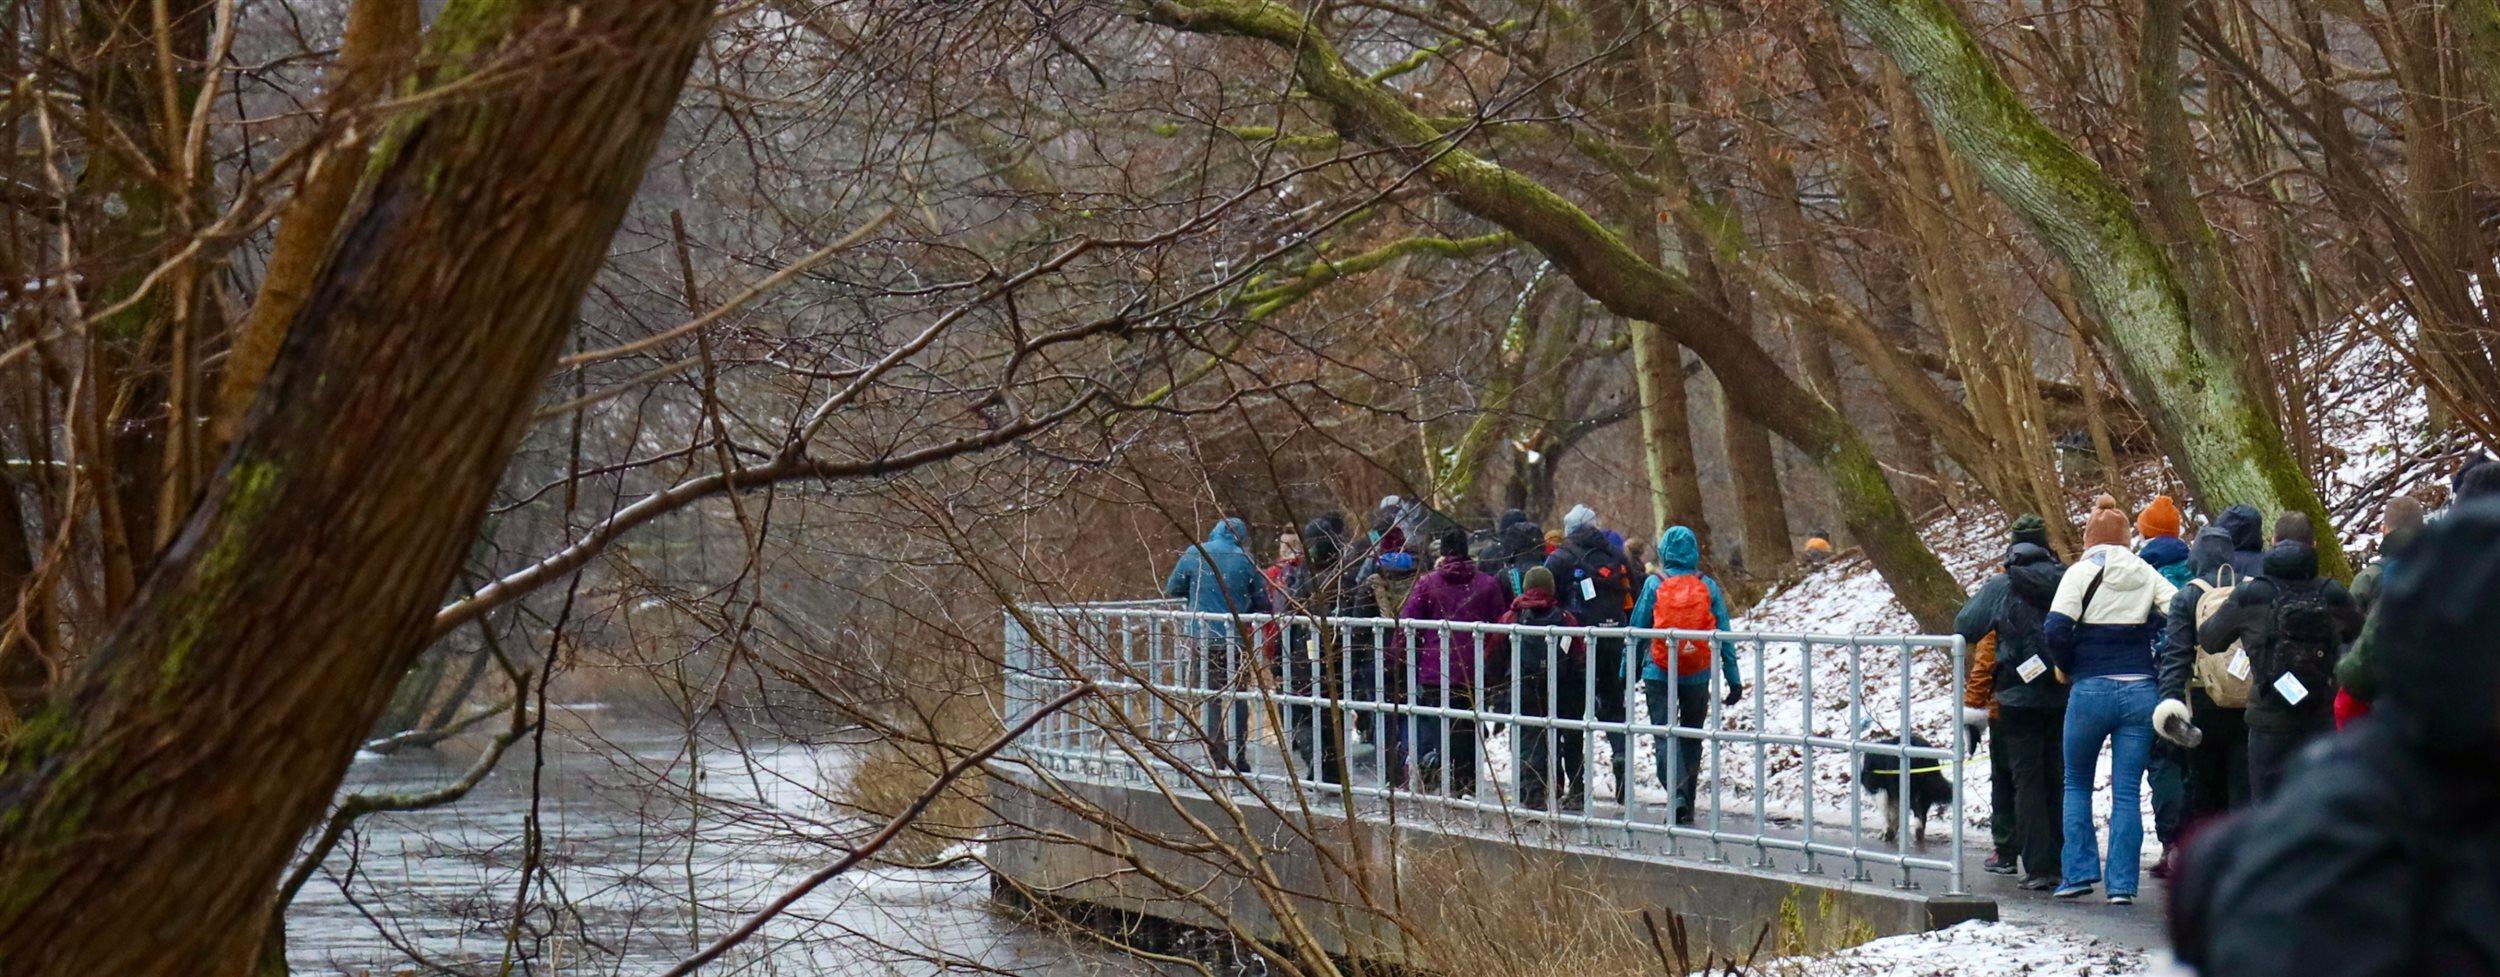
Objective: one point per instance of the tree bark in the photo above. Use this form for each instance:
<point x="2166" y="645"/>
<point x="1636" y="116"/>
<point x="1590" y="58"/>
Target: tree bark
<point x="379" y="43"/>
<point x="2220" y="433"/>
<point x="163" y="790"/>
<point x="1616" y="277"/>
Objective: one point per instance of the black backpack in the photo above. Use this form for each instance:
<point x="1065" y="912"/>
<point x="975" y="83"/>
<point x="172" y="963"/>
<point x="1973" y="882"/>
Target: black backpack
<point x="1533" y="658"/>
<point x="2306" y="639"/>
<point x="1613" y="585"/>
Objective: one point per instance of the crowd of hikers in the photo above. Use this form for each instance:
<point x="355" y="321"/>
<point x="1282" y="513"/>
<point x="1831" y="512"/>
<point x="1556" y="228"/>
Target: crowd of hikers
<point x="2323" y="761"/>
<point x="1581" y="575"/>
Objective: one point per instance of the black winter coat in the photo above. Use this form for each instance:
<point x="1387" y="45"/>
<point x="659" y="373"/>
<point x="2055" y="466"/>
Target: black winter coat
<point x="2013" y="604"/>
<point x="2249" y="620"/>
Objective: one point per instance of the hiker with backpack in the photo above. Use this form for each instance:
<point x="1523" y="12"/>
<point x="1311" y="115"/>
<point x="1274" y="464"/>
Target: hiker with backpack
<point x="2015" y="693"/>
<point x="1550" y="679"/>
<point x="1325" y="660"/>
<point x="1218" y="577"/>
<point x="2381" y="856"/>
<point x="2227" y="552"/>
<point x="1523" y="549"/>
<point x="1675" y="678"/>
<point x="2100" y="631"/>
<point x="1447" y="674"/>
<point x="2165" y="772"/>
<point x="1596" y="584"/>
<point x="2291" y="627"/>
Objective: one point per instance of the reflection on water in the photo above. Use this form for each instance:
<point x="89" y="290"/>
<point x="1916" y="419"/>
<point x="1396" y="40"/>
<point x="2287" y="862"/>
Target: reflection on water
<point x="625" y="891"/>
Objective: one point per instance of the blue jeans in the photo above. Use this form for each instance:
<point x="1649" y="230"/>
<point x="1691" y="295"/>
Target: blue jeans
<point x="2121" y="713"/>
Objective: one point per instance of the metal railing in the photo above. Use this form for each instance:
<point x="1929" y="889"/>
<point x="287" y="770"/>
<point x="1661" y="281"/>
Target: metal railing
<point x="1285" y="708"/>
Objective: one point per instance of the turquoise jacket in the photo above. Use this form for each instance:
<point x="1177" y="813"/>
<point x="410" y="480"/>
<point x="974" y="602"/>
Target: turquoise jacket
<point x="1679" y="555"/>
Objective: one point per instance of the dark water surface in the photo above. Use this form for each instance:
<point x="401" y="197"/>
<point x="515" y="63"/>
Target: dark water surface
<point x="640" y="872"/>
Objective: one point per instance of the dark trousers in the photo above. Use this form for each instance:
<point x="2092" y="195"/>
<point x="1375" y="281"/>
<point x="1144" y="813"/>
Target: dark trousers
<point x="2217" y="769"/>
<point x="1315" y="733"/>
<point x="2270" y="754"/>
<point x="2167" y="777"/>
<point x="1611" y="663"/>
<point x="1561" y="693"/>
<point x="1445" y="743"/>
<point x="1689" y="703"/>
<point x="2003" y="814"/>
<point x="2032" y="741"/>
<point x="1222" y="667"/>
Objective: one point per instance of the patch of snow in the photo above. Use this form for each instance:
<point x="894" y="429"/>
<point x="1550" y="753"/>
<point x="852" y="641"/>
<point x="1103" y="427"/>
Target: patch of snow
<point x="1976" y="950"/>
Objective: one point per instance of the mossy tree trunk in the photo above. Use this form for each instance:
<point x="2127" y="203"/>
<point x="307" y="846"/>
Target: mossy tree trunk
<point x="2219" y="433"/>
<point x="1611" y="273"/>
<point x="146" y="814"/>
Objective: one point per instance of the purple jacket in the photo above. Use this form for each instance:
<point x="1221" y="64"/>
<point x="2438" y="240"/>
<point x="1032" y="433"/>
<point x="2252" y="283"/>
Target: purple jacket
<point x="1454" y="591"/>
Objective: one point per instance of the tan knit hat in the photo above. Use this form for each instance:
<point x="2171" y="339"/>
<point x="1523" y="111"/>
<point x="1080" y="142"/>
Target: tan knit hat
<point x="2107" y="526"/>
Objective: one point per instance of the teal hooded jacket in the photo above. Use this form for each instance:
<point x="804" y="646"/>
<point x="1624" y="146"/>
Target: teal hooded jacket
<point x="1679" y="555"/>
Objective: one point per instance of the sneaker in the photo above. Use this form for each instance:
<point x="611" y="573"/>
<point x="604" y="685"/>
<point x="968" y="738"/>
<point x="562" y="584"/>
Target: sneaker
<point x="2036" y="885"/>
<point x="1998" y="865"/>
<point x="2075" y="891"/>
<point x="2121" y="899"/>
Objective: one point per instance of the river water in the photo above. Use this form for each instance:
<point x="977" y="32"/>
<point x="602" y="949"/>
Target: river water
<point x="640" y="874"/>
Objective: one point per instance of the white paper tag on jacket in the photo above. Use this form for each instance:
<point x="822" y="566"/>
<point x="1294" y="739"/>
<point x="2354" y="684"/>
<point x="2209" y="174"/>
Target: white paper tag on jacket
<point x="1588" y="589"/>
<point x="2291" y="689"/>
<point x="1313" y="653"/>
<point x="2238" y="665"/>
<point x="2031" y="668"/>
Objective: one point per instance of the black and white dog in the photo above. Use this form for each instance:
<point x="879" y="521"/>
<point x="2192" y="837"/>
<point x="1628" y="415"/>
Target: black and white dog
<point x="1880" y="774"/>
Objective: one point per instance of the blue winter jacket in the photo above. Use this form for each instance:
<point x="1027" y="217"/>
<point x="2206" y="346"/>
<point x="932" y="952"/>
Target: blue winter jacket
<point x="1218" y="577"/>
<point x="1679" y="555"/>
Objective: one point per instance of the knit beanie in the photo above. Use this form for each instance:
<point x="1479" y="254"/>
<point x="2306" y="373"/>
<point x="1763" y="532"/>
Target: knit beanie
<point x="2159" y="518"/>
<point x="2295" y="526"/>
<point x="1538" y="580"/>
<point x="1580" y="515"/>
<point x="2107" y="526"/>
<point x="2030" y="528"/>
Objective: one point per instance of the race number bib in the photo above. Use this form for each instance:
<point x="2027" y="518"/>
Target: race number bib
<point x="2031" y="668"/>
<point x="2238" y="665"/>
<point x="1588" y="589"/>
<point x="2291" y="689"/>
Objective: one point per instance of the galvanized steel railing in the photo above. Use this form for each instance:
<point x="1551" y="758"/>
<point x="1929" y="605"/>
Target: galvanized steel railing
<point x="1165" y="679"/>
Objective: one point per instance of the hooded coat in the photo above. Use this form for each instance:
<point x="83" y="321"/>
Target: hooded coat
<point x="2115" y="634"/>
<point x="1218" y="577"/>
<point x="2177" y="659"/>
<point x="2014" y="605"/>
<point x="1679" y="555"/>
<point x="1454" y="591"/>
<point x="2381" y="855"/>
<point x="1585" y="555"/>
<point x="2291" y="567"/>
<point x="2247" y="527"/>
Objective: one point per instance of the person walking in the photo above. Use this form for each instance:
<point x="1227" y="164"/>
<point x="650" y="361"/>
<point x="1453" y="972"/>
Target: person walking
<point x="2356" y="681"/>
<point x="2165" y="772"/>
<point x="1596" y="584"/>
<point x="1446" y="663"/>
<point x="1326" y="659"/>
<point x="2022" y="705"/>
<point x="2227" y="552"/>
<point x="2292" y="626"/>
<point x="1675" y="678"/>
<point x="2381" y="856"/>
<point x="1217" y="577"/>
<point x="1550" y="682"/>
<point x="2100" y="632"/>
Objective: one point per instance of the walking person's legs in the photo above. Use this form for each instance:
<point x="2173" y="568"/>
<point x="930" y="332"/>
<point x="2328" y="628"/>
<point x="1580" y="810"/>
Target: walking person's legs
<point x="2004" y="806"/>
<point x="1462" y="743"/>
<point x="2090" y="712"/>
<point x="2032" y="742"/>
<point x="2130" y="748"/>
<point x="2270" y="754"/>
<point x="1529" y="745"/>
<point x="1658" y="700"/>
<point x="1570" y="702"/>
<point x="1612" y="682"/>
<point x="1692" y="711"/>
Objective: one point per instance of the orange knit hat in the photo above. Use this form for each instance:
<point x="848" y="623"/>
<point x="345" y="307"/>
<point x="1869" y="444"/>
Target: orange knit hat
<point x="2159" y="518"/>
<point x="2107" y="526"/>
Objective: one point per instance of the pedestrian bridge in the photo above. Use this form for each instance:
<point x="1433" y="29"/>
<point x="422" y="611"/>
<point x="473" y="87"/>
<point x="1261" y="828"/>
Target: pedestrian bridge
<point x="1253" y="774"/>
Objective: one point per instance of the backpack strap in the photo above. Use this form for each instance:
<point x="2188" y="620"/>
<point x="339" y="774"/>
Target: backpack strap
<point x="2084" y="610"/>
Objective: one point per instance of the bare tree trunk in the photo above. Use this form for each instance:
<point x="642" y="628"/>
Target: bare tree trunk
<point x="2221" y="434"/>
<point x="164" y="791"/>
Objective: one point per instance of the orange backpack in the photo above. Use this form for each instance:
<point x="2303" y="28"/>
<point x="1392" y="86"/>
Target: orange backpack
<point x="1682" y="603"/>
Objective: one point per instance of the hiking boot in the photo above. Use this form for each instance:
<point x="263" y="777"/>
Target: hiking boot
<point x="2161" y="869"/>
<point x="2075" y="891"/>
<point x="1684" y="815"/>
<point x="1998" y="865"/>
<point x="2036" y="885"/>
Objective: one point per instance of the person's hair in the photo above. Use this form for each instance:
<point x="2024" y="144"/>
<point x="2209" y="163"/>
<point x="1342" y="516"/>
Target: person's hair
<point x="2404" y="514"/>
<point x="2295" y="526"/>
<point x="1454" y="542"/>
<point x="2480" y="481"/>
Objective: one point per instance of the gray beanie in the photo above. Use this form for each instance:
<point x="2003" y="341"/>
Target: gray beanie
<point x="1579" y="516"/>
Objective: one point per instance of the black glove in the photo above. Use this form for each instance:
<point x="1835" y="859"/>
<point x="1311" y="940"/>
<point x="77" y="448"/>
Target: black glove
<point x="1970" y="737"/>
<point x="1735" y="694"/>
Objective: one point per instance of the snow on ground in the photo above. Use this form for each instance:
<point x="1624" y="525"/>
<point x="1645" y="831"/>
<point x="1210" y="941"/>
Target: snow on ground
<point x="1973" y="950"/>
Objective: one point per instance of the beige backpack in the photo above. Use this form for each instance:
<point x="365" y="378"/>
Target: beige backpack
<point x="2224" y="677"/>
